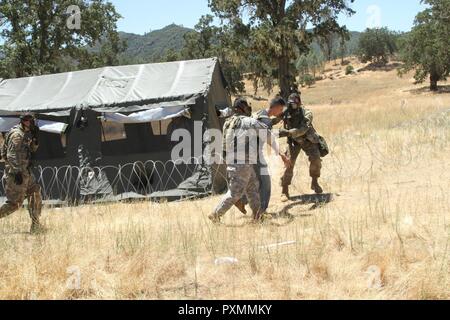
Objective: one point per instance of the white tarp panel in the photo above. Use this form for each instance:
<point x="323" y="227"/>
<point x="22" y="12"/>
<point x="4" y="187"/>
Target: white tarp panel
<point x="52" y="127"/>
<point x="157" y="114"/>
<point x="7" y="124"/>
<point x="121" y="86"/>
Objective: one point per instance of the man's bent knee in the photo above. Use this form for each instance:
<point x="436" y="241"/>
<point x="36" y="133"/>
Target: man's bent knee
<point x="8" y="209"/>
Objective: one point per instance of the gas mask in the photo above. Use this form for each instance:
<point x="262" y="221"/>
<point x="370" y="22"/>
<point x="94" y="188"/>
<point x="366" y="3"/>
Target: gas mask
<point x="294" y="101"/>
<point x="294" y="106"/>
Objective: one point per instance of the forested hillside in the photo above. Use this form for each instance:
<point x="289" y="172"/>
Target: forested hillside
<point x="153" y="46"/>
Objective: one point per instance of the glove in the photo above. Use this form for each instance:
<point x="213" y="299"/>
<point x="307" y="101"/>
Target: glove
<point x="35" y="134"/>
<point x="276" y="121"/>
<point x="283" y="133"/>
<point x="18" y="178"/>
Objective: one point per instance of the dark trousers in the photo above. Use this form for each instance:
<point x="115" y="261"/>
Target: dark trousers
<point x="265" y="186"/>
<point x="312" y="150"/>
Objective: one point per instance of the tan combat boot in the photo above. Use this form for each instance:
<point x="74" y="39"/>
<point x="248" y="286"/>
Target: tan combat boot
<point x="315" y="186"/>
<point x="266" y="217"/>
<point x="241" y="207"/>
<point x="285" y="194"/>
<point x="214" y="218"/>
<point x="261" y="216"/>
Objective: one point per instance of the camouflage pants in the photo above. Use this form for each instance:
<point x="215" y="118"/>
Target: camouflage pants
<point x="16" y="195"/>
<point x="265" y="183"/>
<point x="312" y="151"/>
<point x="242" y="180"/>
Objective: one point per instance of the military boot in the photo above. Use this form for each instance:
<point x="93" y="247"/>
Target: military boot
<point x="37" y="228"/>
<point x="266" y="217"/>
<point x="285" y="194"/>
<point x="315" y="186"/>
<point x="214" y="218"/>
<point x="241" y="206"/>
<point x="258" y="217"/>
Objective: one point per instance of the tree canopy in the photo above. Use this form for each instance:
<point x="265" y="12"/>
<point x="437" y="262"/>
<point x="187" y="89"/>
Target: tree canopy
<point x="426" y="49"/>
<point x="274" y="33"/>
<point x="50" y="36"/>
<point x="208" y="41"/>
<point x="377" y="45"/>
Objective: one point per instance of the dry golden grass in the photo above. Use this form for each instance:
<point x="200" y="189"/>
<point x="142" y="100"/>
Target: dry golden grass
<point x="385" y="235"/>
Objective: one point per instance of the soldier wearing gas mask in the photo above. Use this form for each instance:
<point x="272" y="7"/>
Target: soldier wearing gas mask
<point x="299" y="129"/>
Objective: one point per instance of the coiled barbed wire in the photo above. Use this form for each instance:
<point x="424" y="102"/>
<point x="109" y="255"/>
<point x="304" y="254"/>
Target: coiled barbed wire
<point x="141" y="178"/>
<point x="357" y="157"/>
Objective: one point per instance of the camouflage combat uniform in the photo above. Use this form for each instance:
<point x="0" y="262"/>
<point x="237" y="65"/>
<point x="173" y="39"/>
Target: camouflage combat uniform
<point x="302" y="136"/>
<point x="262" y="170"/>
<point x="16" y="152"/>
<point x="242" y="177"/>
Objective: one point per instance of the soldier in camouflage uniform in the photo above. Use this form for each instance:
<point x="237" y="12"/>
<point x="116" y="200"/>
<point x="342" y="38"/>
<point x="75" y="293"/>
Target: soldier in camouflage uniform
<point x="299" y="129"/>
<point x="268" y="117"/>
<point x="20" y="143"/>
<point x="242" y="177"/>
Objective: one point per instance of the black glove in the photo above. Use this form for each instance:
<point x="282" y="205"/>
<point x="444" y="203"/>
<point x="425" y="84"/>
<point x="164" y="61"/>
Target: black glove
<point x="34" y="130"/>
<point x="18" y="178"/>
<point x="284" y="133"/>
<point x="35" y="133"/>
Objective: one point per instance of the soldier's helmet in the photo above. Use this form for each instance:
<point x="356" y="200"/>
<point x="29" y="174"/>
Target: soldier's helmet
<point x="27" y="116"/>
<point x="241" y="106"/>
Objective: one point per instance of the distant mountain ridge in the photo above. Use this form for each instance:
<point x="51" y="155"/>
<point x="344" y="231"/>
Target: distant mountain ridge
<point x="152" y="46"/>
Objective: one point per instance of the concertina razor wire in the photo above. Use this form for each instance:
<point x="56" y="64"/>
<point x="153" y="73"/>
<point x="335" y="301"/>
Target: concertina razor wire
<point x="66" y="183"/>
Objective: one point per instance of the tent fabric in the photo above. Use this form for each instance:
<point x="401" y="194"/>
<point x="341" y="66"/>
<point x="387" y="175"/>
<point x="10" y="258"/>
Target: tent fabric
<point x="121" y="109"/>
<point x="132" y="95"/>
<point x="178" y="83"/>
<point x="157" y="114"/>
<point x="197" y="186"/>
<point x="7" y="124"/>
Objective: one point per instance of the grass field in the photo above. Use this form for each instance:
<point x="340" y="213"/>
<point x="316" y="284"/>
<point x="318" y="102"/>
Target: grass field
<point x="382" y="232"/>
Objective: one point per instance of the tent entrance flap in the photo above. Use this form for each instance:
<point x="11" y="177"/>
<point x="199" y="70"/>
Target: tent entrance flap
<point x="152" y="115"/>
<point x="7" y="124"/>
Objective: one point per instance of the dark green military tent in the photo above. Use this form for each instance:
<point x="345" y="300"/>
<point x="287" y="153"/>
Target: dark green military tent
<point x="105" y="133"/>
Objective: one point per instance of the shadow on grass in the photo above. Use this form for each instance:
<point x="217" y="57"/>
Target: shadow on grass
<point x="317" y="200"/>
<point x="381" y="67"/>
<point x="426" y="89"/>
<point x="284" y="217"/>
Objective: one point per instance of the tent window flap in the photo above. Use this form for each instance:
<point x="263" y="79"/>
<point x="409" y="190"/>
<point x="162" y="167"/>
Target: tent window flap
<point x="156" y="114"/>
<point x="7" y="124"/>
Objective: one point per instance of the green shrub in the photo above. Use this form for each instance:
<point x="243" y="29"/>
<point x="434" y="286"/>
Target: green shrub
<point x="307" y="80"/>
<point x="349" y="70"/>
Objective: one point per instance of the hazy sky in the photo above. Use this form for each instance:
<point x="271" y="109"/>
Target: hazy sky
<point x="141" y="16"/>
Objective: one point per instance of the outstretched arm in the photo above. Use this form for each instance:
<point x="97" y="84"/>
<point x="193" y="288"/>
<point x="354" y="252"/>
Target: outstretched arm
<point x="299" y="132"/>
<point x="272" y="142"/>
